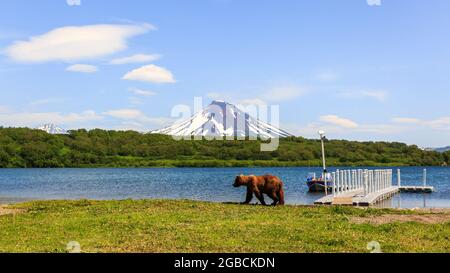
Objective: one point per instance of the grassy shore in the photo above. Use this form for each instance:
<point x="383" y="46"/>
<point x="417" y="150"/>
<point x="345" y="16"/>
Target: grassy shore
<point x="189" y="226"/>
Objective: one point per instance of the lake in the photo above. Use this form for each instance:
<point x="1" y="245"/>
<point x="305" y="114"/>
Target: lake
<point x="207" y="184"/>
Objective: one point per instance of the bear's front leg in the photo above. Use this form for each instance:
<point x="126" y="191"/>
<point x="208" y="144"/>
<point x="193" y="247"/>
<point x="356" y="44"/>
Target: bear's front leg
<point x="249" y="197"/>
<point x="260" y="197"/>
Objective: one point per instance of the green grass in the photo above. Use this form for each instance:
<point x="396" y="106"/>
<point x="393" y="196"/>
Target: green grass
<point x="188" y="226"/>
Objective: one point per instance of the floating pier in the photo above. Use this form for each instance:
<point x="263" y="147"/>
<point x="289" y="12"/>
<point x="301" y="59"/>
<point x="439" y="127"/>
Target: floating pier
<point x="367" y="187"/>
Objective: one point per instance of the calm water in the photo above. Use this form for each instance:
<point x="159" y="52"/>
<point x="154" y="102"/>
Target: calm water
<point x="209" y="184"/>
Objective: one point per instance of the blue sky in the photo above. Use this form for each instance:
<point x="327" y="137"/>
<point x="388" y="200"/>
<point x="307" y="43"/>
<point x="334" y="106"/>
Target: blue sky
<point x="360" y="71"/>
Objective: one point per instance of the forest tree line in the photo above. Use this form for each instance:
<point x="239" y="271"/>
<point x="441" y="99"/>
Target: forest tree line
<point x="26" y="148"/>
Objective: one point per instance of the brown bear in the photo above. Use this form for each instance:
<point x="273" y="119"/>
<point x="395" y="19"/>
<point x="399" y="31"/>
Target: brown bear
<point x="258" y="185"/>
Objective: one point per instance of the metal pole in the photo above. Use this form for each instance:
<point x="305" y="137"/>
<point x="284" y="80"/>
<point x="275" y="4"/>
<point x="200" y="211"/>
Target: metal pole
<point x="399" y="179"/>
<point x="424" y="177"/>
<point x="324" y="165"/>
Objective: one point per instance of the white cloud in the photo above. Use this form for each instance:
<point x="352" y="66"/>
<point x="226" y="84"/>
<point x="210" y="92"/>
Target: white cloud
<point x="82" y="68"/>
<point x="138" y="58"/>
<point x="35" y="119"/>
<point x="284" y="93"/>
<point x="73" y="43"/>
<point x="141" y="92"/>
<point x="442" y="124"/>
<point x="380" y="95"/>
<point x="406" y="120"/>
<point x="135" y="101"/>
<point x="134" y="116"/>
<point x="150" y="73"/>
<point x="262" y="96"/>
<point x="336" y="120"/>
<point x="382" y="129"/>
<point x="124" y="113"/>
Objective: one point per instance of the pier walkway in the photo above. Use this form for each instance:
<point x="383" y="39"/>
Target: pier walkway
<point x="367" y="187"/>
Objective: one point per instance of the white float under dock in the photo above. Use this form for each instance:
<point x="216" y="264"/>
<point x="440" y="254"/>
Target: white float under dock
<point x="367" y="187"/>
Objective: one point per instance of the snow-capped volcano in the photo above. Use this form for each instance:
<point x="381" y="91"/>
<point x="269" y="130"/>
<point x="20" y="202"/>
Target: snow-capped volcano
<point x="52" y="129"/>
<point x="223" y="119"/>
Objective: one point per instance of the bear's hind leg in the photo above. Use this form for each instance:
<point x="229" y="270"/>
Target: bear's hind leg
<point x="274" y="197"/>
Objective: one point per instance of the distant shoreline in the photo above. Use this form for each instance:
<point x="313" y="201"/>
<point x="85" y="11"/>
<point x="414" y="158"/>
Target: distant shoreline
<point x="99" y="148"/>
<point x="178" y="165"/>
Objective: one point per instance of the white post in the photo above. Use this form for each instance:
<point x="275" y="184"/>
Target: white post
<point x="349" y="176"/>
<point x="371" y="181"/>
<point x="386" y="179"/>
<point x="368" y="181"/>
<point x="375" y="178"/>
<point x="344" y="175"/>
<point x="354" y="179"/>
<point x="351" y="179"/>
<point x="381" y="180"/>
<point x="378" y="185"/>
<point x="343" y="181"/>
<point x="390" y="178"/>
<point x="399" y="179"/>
<point x="337" y="183"/>
<point x="366" y="176"/>
<point x="424" y="177"/>
<point x="334" y="183"/>
<point x="386" y="183"/>
<point x="360" y="179"/>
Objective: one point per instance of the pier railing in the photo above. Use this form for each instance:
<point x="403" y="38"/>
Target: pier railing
<point x="365" y="181"/>
<point x="366" y="187"/>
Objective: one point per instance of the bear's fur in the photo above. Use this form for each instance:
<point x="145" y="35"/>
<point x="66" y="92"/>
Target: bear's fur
<point x="258" y="185"/>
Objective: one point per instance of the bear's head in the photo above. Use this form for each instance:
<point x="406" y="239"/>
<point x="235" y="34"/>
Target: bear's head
<point x="239" y="181"/>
